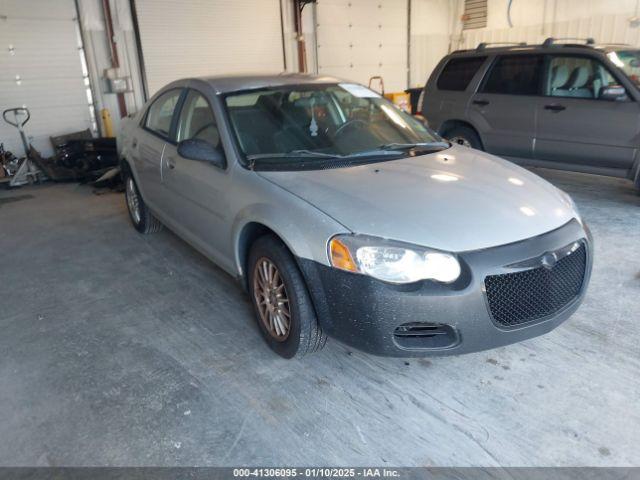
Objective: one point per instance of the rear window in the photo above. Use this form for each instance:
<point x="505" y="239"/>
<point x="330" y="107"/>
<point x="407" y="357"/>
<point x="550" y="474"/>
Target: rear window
<point x="515" y="75"/>
<point x="457" y="74"/>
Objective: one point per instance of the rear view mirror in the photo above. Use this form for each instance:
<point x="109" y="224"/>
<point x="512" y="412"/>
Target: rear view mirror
<point x="613" y="93"/>
<point x="202" y="151"/>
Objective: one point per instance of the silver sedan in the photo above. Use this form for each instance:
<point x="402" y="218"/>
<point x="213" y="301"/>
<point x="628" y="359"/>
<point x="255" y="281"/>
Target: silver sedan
<point x="343" y="216"/>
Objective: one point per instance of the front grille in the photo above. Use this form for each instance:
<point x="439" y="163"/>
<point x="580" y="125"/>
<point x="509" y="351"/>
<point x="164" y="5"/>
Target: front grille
<point x="529" y="295"/>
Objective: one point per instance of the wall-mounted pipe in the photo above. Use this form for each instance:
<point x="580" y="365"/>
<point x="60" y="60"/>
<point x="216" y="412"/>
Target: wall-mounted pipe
<point x="298" y="5"/>
<point x="113" y="49"/>
<point x="509" y="13"/>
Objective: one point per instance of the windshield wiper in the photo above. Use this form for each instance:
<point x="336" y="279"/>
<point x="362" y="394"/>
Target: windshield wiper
<point x="388" y="149"/>
<point x="293" y="154"/>
<point x="407" y="146"/>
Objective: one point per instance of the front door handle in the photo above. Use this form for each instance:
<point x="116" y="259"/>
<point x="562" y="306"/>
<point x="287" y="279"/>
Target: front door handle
<point x="482" y="103"/>
<point x="171" y="163"/>
<point x="555" y="107"/>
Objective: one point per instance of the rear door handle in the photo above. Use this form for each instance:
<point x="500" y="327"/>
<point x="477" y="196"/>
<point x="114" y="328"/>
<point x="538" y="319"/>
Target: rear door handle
<point x="555" y="107"/>
<point x="171" y="163"/>
<point x="482" y="103"/>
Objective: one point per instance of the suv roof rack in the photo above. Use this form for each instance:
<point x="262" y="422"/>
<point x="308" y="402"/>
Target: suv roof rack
<point x="614" y="44"/>
<point x="484" y="45"/>
<point x="552" y="41"/>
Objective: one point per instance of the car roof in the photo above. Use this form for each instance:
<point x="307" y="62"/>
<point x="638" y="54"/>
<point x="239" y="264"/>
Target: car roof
<point x="550" y="45"/>
<point x="573" y="48"/>
<point x="234" y="83"/>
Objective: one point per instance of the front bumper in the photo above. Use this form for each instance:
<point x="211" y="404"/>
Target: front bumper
<point x="364" y="313"/>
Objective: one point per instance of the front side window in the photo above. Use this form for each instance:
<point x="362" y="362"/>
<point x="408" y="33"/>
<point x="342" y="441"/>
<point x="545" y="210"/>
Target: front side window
<point x="515" y="75"/>
<point x="458" y="73"/>
<point x="161" y="112"/>
<point x="197" y="121"/>
<point x="577" y="77"/>
<point x="629" y="62"/>
<point x="319" y="122"/>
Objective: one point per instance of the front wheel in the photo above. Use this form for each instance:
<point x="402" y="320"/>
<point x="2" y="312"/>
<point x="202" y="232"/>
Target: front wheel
<point x="464" y="136"/>
<point x="286" y="316"/>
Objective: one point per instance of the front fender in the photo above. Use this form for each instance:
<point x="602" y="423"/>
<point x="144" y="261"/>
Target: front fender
<point x="303" y="228"/>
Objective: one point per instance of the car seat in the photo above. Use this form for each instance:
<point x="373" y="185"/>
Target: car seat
<point x="578" y="83"/>
<point x="559" y="81"/>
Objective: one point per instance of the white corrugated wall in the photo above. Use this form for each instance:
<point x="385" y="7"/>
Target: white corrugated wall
<point x="357" y="39"/>
<point x="208" y="37"/>
<point x="40" y="68"/>
<point x="607" y="21"/>
<point x="436" y="26"/>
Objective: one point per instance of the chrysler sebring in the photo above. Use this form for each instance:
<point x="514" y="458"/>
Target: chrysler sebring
<point x="345" y="217"/>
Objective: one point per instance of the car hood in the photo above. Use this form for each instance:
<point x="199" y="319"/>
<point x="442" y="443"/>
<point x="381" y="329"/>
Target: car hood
<point x="457" y="200"/>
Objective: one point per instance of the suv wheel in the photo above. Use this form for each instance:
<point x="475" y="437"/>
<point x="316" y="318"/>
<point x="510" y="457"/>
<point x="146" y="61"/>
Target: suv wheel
<point x="465" y="136"/>
<point x="142" y="219"/>
<point x="281" y="302"/>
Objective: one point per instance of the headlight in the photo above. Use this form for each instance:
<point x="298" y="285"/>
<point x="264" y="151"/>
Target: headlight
<point x="391" y="262"/>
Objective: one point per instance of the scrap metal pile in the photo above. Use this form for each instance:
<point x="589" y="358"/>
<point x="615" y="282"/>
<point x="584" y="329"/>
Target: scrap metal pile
<point x="77" y="157"/>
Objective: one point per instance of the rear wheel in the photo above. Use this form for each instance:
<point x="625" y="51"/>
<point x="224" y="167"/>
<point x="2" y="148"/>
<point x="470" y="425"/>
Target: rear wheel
<point x="281" y="301"/>
<point x="141" y="218"/>
<point x="465" y="136"/>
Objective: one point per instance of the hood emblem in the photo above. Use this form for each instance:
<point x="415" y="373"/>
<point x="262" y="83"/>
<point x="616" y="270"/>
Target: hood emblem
<point x="549" y="260"/>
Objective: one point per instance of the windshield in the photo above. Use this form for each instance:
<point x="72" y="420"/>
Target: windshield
<point x="629" y="62"/>
<point x="324" y="122"/>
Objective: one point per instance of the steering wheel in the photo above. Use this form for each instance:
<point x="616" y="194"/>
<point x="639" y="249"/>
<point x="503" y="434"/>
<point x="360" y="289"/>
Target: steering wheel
<point x="202" y="129"/>
<point x="355" y="123"/>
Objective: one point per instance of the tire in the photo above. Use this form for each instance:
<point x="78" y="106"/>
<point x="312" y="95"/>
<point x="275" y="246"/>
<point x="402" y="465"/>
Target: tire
<point x="141" y="218"/>
<point x="462" y="135"/>
<point x="303" y="333"/>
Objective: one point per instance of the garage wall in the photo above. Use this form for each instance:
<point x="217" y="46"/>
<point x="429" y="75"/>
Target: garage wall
<point x="357" y="39"/>
<point x="432" y="25"/>
<point x="607" y="21"/>
<point x="40" y="68"/>
<point x="208" y="37"/>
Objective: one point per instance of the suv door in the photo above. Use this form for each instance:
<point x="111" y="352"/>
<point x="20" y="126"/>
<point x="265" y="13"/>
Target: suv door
<point x="576" y="126"/>
<point x="194" y="191"/>
<point x="449" y="88"/>
<point x="503" y="109"/>
<point x="149" y="144"/>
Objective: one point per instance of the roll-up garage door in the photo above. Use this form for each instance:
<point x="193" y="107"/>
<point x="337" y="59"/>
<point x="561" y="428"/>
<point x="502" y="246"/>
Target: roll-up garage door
<point x="191" y="38"/>
<point x="41" y="69"/>
<point x="358" y="39"/>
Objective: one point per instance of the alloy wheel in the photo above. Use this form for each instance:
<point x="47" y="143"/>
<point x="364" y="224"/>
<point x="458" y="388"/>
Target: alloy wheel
<point x="460" y="141"/>
<point x="133" y="201"/>
<point x="271" y="298"/>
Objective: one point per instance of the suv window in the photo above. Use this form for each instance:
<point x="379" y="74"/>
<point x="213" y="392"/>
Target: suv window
<point x="161" y="112"/>
<point x="197" y="120"/>
<point x="515" y="75"/>
<point x="577" y="77"/>
<point x="458" y="73"/>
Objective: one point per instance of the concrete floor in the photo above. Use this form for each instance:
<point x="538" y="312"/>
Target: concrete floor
<point x="121" y="349"/>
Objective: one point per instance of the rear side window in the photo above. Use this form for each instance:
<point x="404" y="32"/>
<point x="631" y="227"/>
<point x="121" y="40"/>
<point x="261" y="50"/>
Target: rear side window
<point x="161" y="112"/>
<point x="515" y="75"/>
<point x="457" y="74"/>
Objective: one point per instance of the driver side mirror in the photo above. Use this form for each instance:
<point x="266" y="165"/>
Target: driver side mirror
<point x="613" y="93"/>
<point x="202" y="151"/>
